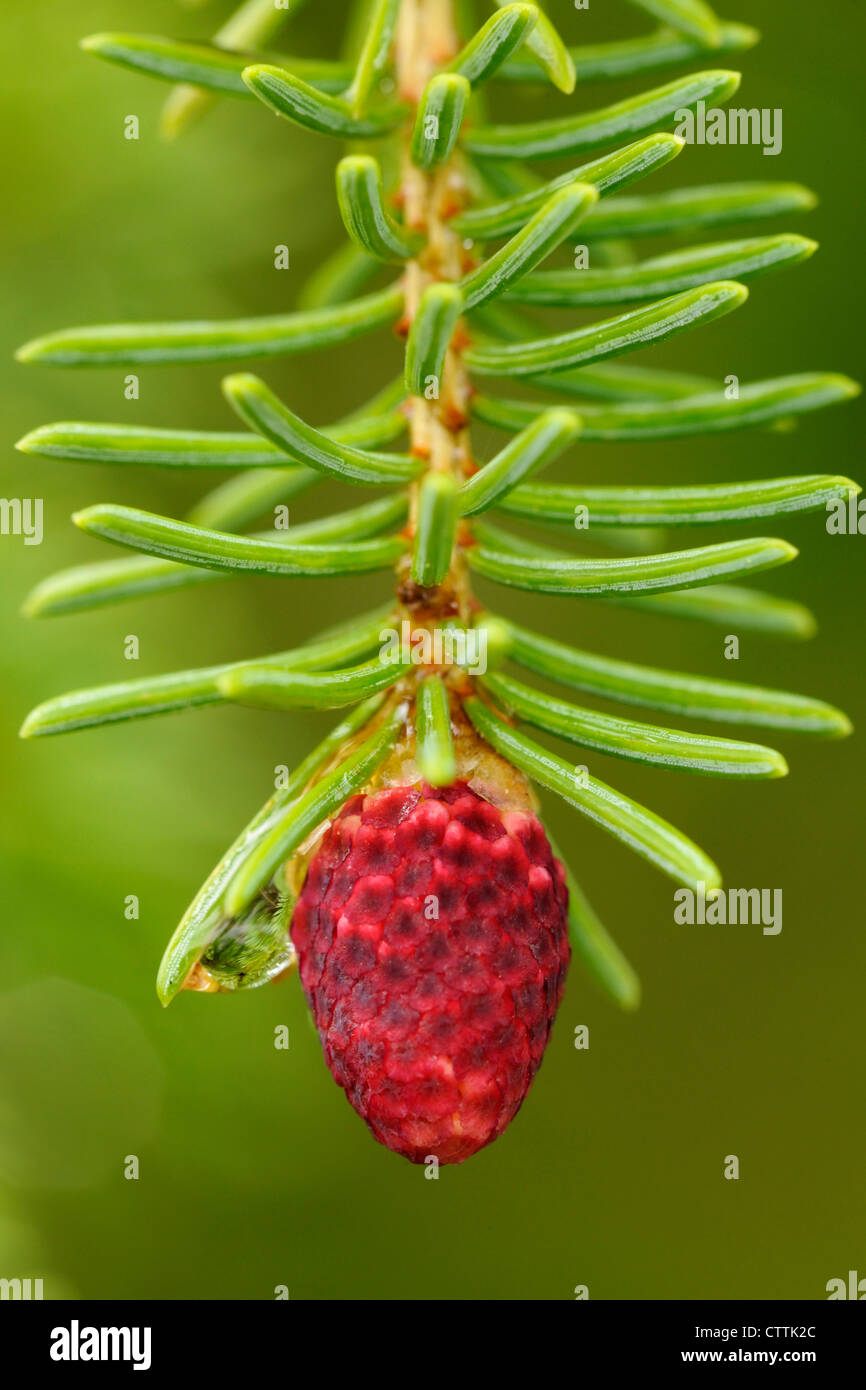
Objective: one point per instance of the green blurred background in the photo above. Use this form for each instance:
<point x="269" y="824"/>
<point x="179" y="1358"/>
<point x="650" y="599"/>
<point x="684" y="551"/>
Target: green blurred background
<point x="254" y="1171"/>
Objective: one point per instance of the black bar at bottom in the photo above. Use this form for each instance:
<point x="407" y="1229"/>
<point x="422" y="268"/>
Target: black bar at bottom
<point x="83" y="1338"/>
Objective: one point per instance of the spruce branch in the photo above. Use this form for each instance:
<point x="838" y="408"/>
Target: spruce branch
<point x="456" y="208"/>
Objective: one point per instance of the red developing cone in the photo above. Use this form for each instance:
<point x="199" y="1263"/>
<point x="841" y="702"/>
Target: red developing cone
<point x="432" y="940"/>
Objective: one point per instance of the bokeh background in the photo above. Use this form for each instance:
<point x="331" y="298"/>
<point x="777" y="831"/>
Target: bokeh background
<point x="254" y="1171"/>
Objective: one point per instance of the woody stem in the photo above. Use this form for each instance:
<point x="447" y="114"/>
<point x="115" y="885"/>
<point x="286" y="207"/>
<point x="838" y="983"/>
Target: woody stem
<point x="427" y="36"/>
